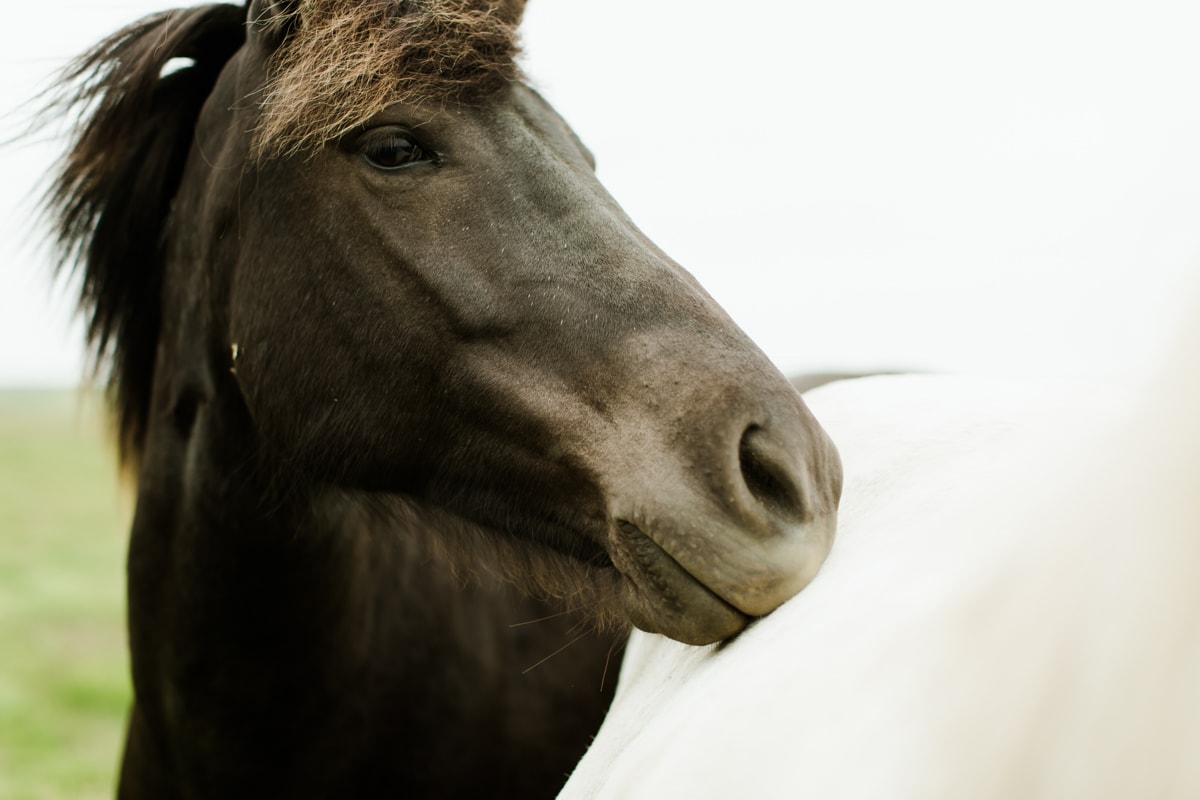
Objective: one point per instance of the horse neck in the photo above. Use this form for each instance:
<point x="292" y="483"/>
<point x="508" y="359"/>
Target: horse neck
<point x="272" y="623"/>
<point x="283" y="627"/>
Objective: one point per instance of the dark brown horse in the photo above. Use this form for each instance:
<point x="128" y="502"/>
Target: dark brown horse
<point x="381" y="348"/>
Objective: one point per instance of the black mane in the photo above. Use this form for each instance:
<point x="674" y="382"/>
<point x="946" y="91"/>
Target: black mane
<point x="113" y="190"/>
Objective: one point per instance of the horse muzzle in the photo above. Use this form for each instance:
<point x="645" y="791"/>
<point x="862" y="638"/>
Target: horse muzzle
<point x="722" y="521"/>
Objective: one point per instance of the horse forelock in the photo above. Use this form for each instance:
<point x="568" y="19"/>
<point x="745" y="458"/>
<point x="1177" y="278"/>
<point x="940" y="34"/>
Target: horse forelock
<point x="343" y="61"/>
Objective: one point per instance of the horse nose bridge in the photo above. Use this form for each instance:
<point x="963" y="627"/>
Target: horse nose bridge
<point x="585" y="254"/>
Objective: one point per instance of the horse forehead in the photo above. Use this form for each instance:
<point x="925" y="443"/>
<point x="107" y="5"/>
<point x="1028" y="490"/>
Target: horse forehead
<point x="507" y="115"/>
<point x="541" y="114"/>
<point x="345" y="61"/>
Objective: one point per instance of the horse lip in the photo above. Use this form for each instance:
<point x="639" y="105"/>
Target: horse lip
<point x="704" y="617"/>
<point x="751" y="573"/>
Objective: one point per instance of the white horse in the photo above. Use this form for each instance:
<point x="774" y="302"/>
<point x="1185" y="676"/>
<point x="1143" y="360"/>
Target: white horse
<point x="1011" y="610"/>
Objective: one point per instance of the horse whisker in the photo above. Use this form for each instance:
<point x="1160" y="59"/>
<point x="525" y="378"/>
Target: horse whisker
<point x="552" y="655"/>
<point x="608" y="658"/>
<point x="540" y="619"/>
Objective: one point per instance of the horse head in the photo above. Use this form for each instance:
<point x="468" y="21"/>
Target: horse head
<point x="391" y="260"/>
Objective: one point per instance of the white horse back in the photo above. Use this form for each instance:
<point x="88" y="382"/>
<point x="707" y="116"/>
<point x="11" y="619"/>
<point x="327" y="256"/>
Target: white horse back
<point x="1012" y="610"/>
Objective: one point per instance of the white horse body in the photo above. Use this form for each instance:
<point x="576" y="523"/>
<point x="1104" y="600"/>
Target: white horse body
<point x="1011" y="610"/>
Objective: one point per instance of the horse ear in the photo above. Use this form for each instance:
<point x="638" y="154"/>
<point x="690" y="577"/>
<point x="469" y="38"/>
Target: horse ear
<point x="269" y="21"/>
<point x="513" y="9"/>
<point x="272" y="19"/>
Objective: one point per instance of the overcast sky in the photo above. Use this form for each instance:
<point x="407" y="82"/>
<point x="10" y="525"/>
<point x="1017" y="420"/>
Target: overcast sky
<point x="932" y="184"/>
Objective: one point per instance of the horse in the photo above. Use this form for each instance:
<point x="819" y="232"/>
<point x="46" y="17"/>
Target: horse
<point x="419" y="421"/>
<point x="1012" y="610"/>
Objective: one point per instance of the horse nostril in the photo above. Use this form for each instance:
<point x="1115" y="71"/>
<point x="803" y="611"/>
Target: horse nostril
<point x="768" y="474"/>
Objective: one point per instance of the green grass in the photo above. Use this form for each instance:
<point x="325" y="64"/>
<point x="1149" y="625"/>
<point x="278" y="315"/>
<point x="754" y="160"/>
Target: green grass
<point x="64" y="686"/>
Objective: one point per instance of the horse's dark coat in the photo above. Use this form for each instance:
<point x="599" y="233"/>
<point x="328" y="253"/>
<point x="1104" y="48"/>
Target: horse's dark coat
<point x="360" y="403"/>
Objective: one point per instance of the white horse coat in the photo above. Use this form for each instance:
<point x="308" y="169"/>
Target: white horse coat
<point x="1011" y="610"/>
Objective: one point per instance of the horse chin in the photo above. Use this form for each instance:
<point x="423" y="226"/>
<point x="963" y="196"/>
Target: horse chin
<point x="660" y="596"/>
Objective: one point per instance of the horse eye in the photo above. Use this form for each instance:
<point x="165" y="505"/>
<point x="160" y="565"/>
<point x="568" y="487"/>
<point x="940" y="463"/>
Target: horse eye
<point x="391" y="148"/>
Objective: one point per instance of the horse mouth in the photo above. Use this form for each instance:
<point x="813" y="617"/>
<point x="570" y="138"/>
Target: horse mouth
<point x="662" y="597"/>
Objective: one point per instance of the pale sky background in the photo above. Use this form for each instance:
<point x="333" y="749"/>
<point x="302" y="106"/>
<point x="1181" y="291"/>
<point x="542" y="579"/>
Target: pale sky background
<point x="932" y="184"/>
